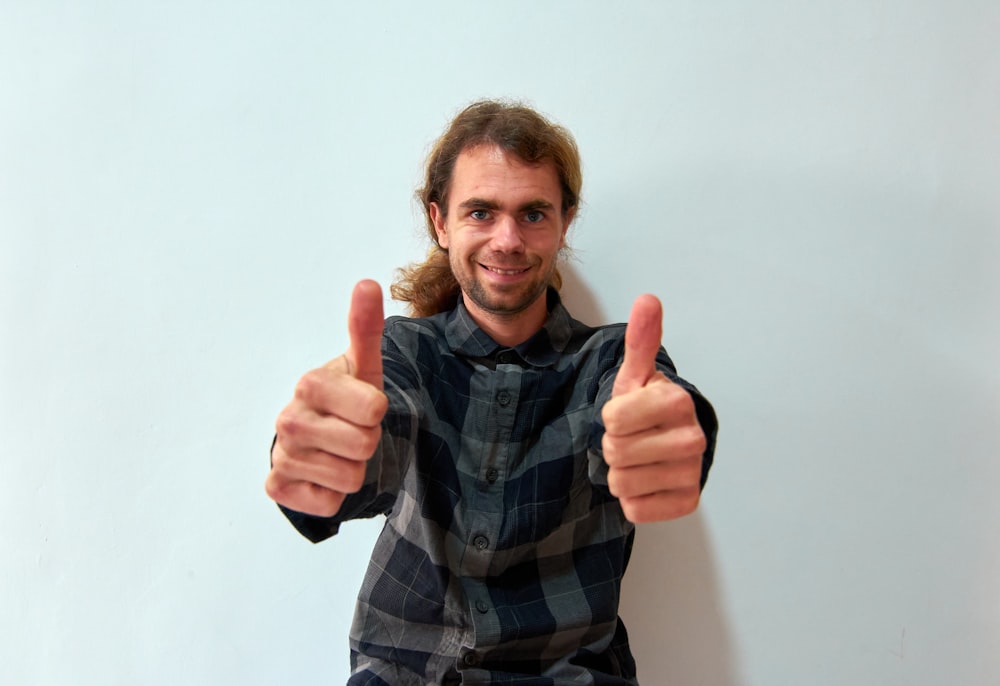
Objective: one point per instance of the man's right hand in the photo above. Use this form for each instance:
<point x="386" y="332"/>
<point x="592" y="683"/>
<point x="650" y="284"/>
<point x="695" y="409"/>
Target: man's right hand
<point x="332" y="426"/>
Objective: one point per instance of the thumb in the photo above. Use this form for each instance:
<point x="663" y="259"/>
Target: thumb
<point x="365" y="322"/>
<point x="642" y="341"/>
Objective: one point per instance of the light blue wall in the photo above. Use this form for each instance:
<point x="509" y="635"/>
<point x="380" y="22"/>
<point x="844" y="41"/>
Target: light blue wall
<point x="189" y="190"/>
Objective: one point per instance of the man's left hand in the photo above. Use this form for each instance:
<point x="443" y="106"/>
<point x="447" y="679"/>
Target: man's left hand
<point x="653" y="443"/>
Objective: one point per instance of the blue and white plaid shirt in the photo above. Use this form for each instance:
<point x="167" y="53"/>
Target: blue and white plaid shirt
<point x="502" y="556"/>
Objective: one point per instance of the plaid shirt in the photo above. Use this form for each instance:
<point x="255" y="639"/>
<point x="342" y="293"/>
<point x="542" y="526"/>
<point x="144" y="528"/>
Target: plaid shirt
<point x="502" y="556"/>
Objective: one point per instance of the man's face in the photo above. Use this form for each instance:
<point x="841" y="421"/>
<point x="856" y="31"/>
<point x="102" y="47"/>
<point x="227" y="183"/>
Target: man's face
<point x="503" y="231"/>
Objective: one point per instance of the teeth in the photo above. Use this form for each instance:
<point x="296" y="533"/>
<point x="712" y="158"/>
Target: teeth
<point x="505" y="272"/>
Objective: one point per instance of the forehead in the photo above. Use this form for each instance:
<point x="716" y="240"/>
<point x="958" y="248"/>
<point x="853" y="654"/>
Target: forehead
<point x="489" y="171"/>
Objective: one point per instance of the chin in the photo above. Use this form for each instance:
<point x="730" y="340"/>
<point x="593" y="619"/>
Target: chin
<point x="509" y="304"/>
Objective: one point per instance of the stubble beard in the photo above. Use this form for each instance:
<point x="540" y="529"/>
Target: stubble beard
<point x="508" y="305"/>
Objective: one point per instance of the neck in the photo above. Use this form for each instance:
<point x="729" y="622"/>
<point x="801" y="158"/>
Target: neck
<point x="510" y="329"/>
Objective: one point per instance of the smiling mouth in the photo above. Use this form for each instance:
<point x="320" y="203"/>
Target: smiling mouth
<point x="504" y="272"/>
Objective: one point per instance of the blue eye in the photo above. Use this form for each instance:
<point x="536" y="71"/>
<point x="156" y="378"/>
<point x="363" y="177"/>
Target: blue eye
<point x="479" y="215"/>
<point x="534" y="217"/>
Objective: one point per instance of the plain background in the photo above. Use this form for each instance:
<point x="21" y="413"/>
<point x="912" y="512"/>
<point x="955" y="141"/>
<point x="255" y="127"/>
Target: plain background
<point x="189" y="190"/>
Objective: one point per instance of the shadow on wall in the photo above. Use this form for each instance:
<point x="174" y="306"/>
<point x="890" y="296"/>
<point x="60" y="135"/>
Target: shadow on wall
<point x="673" y="607"/>
<point x="671" y="601"/>
<point x="578" y="298"/>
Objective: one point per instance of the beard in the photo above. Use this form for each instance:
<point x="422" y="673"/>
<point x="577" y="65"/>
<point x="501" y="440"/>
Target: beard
<point x="498" y="299"/>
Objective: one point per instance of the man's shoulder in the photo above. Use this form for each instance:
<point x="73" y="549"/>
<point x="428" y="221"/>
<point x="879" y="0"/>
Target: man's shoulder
<point x="409" y="330"/>
<point x="580" y="335"/>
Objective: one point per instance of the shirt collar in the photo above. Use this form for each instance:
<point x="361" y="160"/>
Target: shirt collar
<point x="465" y="338"/>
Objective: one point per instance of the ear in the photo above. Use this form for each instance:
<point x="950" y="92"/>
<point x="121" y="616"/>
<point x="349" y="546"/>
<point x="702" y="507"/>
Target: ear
<point x="437" y="218"/>
<point x="570" y="214"/>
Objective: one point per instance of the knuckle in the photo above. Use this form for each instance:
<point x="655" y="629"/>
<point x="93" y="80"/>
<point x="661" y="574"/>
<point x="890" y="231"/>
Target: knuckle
<point x="376" y="408"/>
<point x="693" y="475"/>
<point x="663" y="506"/>
<point x="353" y="477"/>
<point x="301" y="496"/>
<point x="679" y="399"/>
<point x="611" y="416"/>
<point x="274" y="486"/>
<point x="615" y="478"/>
<point x="689" y="503"/>
<point x="305" y="387"/>
<point x="322" y="502"/>
<point x="633" y="510"/>
<point x="611" y="450"/>
<point x="364" y="442"/>
<point x="373" y="438"/>
<point x="328" y="507"/>
<point x="287" y="424"/>
<point x="282" y="491"/>
<point x="684" y="502"/>
<point x="695" y="442"/>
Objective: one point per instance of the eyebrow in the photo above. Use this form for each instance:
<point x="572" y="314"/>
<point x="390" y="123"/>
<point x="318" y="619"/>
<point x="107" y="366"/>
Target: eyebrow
<point x="483" y="204"/>
<point x="478" y="204"/>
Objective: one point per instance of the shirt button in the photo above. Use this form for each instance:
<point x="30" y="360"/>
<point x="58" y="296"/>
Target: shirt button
<point x="505" y="357"/>
<point x="470" y="659"/>
<point x="503" y="397"/>
<point x="482" y="606"/>
<point x="492" y="475"/>
<point x="481" y="542"/>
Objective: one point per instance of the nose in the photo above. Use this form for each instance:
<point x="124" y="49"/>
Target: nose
<point x="507" y="235"/>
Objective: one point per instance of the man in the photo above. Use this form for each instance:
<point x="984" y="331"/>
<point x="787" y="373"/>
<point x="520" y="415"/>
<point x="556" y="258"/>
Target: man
<point x="511" y="448"/>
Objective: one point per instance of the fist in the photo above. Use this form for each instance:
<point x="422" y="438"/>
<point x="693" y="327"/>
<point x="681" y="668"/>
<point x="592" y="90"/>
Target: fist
<point x="333" y="424"/>
<point x="653" y="443"/>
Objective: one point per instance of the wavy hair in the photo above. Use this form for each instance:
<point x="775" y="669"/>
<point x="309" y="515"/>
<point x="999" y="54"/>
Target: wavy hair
<point x="430" y="287"/>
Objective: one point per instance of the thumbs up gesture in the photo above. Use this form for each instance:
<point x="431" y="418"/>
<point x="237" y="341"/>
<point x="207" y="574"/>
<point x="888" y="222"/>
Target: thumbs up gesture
<point x="333" y="424"/>
<point x="653" y="443"/>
